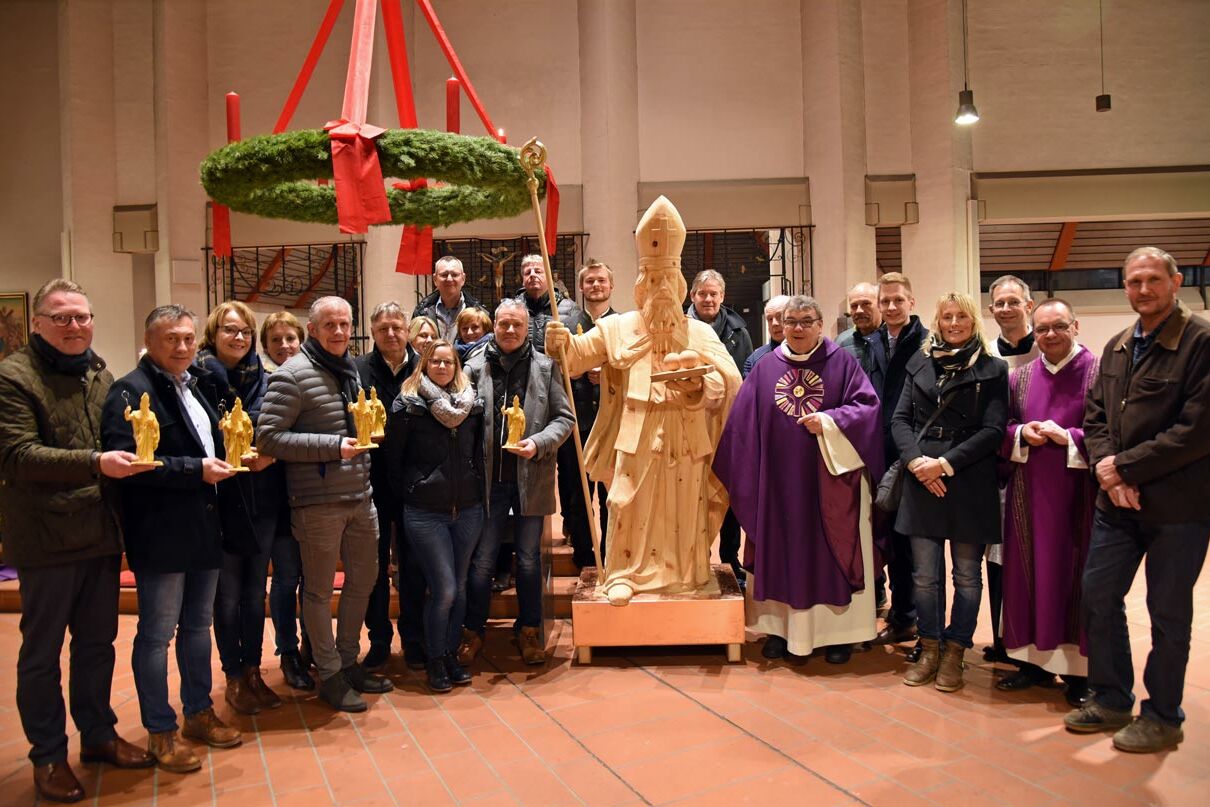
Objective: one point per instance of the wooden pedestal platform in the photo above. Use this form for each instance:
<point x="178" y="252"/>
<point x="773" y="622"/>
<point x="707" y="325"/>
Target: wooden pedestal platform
<point x="714" y="617"/>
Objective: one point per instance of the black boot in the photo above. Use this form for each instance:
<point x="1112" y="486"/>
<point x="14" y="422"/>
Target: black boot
<point x="365" y="681"/>
<point x="304" y="652"/>
<point x="295" y="673"/>
<point x="439" y="678"/>
<point x="458" y="676"/>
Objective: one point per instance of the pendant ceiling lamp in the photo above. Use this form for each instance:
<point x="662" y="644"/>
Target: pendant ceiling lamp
<point x="1104" y="103"/>
<point x="967" y="114"/>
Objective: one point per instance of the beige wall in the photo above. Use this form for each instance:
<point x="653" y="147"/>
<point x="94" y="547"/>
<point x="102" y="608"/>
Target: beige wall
<point x="736" y="106"/>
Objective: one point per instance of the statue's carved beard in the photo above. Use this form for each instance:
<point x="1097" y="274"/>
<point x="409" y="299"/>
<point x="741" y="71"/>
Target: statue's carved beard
<point x="661" y="314"/>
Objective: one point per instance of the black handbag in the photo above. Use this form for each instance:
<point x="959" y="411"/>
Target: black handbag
<point x="890" y="487"/>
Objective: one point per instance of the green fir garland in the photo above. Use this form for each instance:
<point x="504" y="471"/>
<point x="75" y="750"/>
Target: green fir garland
<point x="272" y="176"/>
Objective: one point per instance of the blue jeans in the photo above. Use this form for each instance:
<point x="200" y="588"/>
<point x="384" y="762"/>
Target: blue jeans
<point x="928" y="569"/>
<point x="239" y="604"/>
<point x="1175" y="554"/>
<point x="443" y="545"/>
<point x="283" y="592"/>
<point x="180" y="603"/>
<point x="527" y="537"/>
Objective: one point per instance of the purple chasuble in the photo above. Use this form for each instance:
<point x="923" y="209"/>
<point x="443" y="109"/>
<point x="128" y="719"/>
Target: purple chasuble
<point x="1048" y="509"/>
<point x="802" y="524"/>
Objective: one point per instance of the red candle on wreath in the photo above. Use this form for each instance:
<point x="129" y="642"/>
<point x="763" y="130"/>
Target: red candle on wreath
<point x="232" y="117"/>
<point x="501" y="136"/>
<point x="453" y="105"/>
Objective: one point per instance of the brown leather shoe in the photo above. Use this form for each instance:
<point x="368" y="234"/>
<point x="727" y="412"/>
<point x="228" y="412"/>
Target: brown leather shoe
<point x="118" y="753"/>
<point x="925" y="668"/>
<point x="532" y="651"/>
<point x="239" y="695"/>
<point x="171" y="756"/>
<point x="205" y="727"/>
<point x="266" y="697"/>
<point x="468" y="649"/>
<point x="949" y="674"/>
<point x="891" y="634"/>
<point x="56" y="782"/>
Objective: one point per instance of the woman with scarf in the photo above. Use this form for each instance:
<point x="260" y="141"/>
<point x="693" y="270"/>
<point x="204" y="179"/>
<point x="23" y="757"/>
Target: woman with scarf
<point x="228" y="368"/>
<point x="436" y="469"/>
<point x="948" y="426"/>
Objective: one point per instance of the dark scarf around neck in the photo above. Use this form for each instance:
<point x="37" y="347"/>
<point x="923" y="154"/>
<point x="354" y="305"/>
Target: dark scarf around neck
<point x="949" y="361"/>
<point x="60" y="361"/>
<point x="342" y="369"/>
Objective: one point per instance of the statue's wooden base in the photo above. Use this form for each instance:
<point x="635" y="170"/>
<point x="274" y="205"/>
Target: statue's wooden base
<point x="713" y="617"/>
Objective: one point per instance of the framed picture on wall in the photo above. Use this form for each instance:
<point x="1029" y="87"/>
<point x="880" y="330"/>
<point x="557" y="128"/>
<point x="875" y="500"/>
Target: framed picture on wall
<point x="14" y="322"/>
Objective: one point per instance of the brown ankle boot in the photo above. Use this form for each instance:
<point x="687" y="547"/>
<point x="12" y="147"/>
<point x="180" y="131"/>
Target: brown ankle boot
<point x="949" y="674"/>
<point x="925" y="668"/>
<point x="240" y="695"/>
<point x="266" y="697"/>
<point x="205" y="727"/>
<point x="171" y="756"/>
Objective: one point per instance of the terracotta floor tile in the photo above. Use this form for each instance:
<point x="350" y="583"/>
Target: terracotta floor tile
<point x="700" y="769"/>
<point x="551" y="743"/>
<point x="594" y="784"/>
<point x="586" y="719"/>
<point x="891" y="794"/>
<point x="659" y="737"/>
<point x="293" y="769"/>
<point x="466" y="775"/>
<point x="785" y="785"/>
<point x="533" y="783"/>
<point x="437" y="735"/>
<point x="254" y="796"/>
<point x="498" y="744"/>
<point x="844" y="770"/>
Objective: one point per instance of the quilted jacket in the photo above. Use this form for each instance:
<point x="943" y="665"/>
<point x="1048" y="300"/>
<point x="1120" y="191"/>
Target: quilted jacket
<point x="303" y="420"/>
<point x="50" y="424"/>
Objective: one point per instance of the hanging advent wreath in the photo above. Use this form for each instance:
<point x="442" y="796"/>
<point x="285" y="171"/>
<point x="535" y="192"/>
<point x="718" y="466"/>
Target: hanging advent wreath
<point x="273" y="176"/>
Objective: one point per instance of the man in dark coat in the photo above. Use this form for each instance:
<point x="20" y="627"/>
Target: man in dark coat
<point x="899" y="338"/>
<point x="385" y="368"/>
<point x="706" y="297"/>
<point x="448" y="301"/>
<point x="536" y="296"/>
<point x="173" y="522"/>
<point x="63" y="537"/>
<point x="1147" y="431"/>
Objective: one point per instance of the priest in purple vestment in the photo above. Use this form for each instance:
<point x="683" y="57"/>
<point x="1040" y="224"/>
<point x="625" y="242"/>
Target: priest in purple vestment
<point x="798" y="455"/>
<point x="1048" y="508"/>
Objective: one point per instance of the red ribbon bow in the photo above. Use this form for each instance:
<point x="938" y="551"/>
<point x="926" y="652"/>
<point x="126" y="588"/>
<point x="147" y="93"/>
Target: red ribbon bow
<point x="361" y="198"/>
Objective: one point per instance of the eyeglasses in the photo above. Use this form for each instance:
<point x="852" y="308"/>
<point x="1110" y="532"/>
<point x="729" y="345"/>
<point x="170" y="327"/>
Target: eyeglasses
<point x="1062" y="327"/>
<point x="441" y="362"/>
<point x="232" y="331"/>
<point x="792" y="324"/>
<point x="63" y="320"/>
<point x="1001" y="305"/>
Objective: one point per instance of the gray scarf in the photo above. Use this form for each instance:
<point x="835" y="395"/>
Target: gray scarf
<point x="450" y="408"/>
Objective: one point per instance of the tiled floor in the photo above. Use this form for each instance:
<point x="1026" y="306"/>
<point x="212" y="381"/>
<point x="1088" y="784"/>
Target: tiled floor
<point x="656" y="728"/>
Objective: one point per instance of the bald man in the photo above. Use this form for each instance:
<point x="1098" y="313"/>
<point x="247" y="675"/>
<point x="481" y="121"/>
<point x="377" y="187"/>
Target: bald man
<point x="773" y="311"/>
<point x="860" y="340"/>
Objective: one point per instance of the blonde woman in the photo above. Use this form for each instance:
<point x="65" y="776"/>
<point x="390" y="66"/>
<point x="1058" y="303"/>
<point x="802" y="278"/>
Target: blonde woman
<point x="948" y="426"/>
<point x="422" y="332"/>
<point x="435" y="462"/>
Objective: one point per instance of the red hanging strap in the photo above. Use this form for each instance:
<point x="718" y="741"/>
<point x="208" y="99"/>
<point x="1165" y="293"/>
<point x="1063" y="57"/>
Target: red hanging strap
<point x="552" y="211"/>
<point x="308" y="67"/>
<point x="447" y="48"/>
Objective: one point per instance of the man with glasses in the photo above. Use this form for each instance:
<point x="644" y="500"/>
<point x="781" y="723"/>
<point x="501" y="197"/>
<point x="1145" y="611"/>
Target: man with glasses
<point x="449" y="300"/>
<point x="1049" y="507"/>
<point x="62" y="537"/>
<point x="385" y="368"/>
<point x="799" y="455"/>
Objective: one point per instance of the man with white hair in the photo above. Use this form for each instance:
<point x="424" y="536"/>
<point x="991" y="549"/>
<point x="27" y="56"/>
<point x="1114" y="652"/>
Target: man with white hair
<point x="305" y="422"/>
<point x="773" y="312"/>
<point x="449" y="300"/>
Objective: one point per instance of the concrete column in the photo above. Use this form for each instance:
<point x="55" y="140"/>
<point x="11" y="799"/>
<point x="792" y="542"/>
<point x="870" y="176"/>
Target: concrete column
<point x="834" y="145"/>
<point x="88" y="149"/>
<point x="609" y="120"/>
<point x="182" y="140"/>
<point x="937" y="253"/>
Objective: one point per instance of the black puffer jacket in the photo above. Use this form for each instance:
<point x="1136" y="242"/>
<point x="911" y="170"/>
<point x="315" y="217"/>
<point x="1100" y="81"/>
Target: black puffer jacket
<point x="431" y="466"/>
<point x="732" y="330"/>
<point x="374" y="371"/>
<point x="539" y="314"/>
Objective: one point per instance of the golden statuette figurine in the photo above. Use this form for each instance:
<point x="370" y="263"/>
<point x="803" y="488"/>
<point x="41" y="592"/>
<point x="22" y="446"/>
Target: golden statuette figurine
<point x="146" y="431"/>
<point x="380" y="415"/>
<point x="236" y="427"/>
<point x="516" y="423"/>
<point x="363" y="420"/>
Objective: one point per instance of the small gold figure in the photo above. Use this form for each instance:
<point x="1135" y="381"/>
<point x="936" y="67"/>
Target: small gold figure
<point x="363" y="420"/>
<point x="146" y="432"/>
<point x="380" y="416"/>
<point x="236" y="427"/>
<point x="516" y="423"/>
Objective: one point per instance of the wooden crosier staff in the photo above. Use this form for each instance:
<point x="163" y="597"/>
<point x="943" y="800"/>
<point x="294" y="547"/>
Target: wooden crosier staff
<point x="533" y="158"/>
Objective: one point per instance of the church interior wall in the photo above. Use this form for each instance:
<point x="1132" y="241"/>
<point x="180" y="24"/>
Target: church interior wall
<point x="719" y="116"/>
